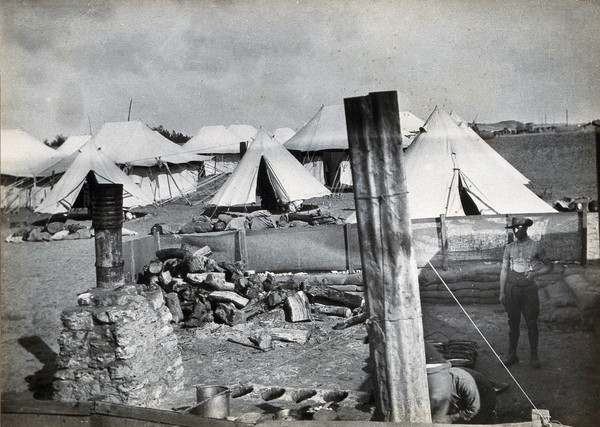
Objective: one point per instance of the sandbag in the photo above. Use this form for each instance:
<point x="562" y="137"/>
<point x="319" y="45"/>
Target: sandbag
<point x="587" y="295"/>
<point x="560" y="295"/>
<point x="55" y="227"/>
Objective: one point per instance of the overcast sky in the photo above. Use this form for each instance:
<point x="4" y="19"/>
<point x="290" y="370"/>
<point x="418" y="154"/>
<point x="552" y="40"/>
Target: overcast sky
<point x="186" y="64"/>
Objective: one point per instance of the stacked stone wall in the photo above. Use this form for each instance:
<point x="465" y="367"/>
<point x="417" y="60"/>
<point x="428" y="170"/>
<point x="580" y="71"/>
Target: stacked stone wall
<point x="118" y="346"/>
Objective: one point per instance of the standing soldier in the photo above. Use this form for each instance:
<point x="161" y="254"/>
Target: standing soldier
<point x="523" y="260"/>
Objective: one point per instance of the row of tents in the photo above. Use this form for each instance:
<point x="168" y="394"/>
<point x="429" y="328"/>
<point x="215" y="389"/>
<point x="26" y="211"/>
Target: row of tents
<point x="450" y="170"/>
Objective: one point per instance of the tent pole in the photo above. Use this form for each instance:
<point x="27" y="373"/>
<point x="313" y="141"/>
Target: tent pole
<point x="389" y="266"/>
<point x="177" y="186"/>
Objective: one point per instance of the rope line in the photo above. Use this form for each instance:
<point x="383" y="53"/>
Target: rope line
<point x="546" y="421"/>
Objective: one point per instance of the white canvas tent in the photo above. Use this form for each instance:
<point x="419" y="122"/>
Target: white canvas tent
<point x="246" y="132"/>
<point x="24" y="156"/>
<point x="284" y="134"/>
<point x="324" y="142"/>
<point x="447" y="173"/>
<point x="91" y="159"/>
<point x="483" y="151"/>
<point x="159" y="166"/>
<point x="219" y="142"/>
<point x="288" y="179"/>
<point x="23" y="161"/>
<point x="73" y="143"/>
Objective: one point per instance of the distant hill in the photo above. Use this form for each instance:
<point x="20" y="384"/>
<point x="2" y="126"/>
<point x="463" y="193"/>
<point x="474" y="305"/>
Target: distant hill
<point x="506" y="124"/>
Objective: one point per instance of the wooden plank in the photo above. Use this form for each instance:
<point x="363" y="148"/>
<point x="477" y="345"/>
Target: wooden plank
<point x="389" y="266"/>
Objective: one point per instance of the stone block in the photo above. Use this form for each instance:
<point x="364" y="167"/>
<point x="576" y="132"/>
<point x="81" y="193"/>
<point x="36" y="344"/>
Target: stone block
<point x="119" y="370"/>
<point x="126" y="352"/>
<point x="84" y="298"/>
<point x="77" y="319"/>
<point x="120" y="314"/>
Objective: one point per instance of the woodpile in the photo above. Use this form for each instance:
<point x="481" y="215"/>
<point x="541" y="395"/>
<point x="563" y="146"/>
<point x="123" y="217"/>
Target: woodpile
<point x="198" y="290"/>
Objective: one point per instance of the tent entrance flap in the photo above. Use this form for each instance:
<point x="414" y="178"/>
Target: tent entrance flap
<point x="264" y="187"/>
<point x="468" y="204"/>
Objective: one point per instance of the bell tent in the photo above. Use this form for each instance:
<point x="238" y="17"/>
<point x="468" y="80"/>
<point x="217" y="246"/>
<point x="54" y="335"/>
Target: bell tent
<point x="270" y="170"/>
<point x="219" y="142"/>
<point x="323" y="142"/>
<point x="91" y="163"/>
<point x="448" y="173"/>
<point x="157" y="165"/>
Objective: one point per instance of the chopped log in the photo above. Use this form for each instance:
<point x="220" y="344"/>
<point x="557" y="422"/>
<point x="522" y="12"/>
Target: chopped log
<point x="355" y="320"/>
<point x="289" y="335"/>
<point x="228" y="296"/>
<point x="348" y="288"/>
<point x="155" y="267"/>
<point x="214" y="281"/>
<point x="165" y="278"/>
<point x="172" y="300"/>
<point x="351" y="300"/>
<point x="297" y="307"/>
<point x="262" y="340"/>
<point x="199" y="278"/>
<point x="331" y="310"/>
<point x="229" y="314"/>
<point x="275" y="298"/>
<point x="192" y="264"/>
<point x="168" y="253"/>
<point x="153" y="280"/>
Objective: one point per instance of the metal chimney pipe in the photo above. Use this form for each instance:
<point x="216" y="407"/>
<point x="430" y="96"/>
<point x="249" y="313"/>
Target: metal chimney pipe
<point x="107" y="220"/>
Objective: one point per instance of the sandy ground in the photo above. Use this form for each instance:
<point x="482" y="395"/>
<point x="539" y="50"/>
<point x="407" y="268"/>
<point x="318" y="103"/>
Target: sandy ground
<point x="40" y="279"/>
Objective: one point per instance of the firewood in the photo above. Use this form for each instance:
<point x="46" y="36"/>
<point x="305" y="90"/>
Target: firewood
<point x="153" y="280"/>
<point x="349" y="299"/>
<point x="192" y="264"/>
<point x="165" y="278"/>
<point x="172" y="300"/>
<point x="262" y="340"/>
<point x="297" y="307"/>
<point x="275" y="298"/>
<point x="289" y="335"/>
<point x="332" y="310"/>
<point x="213" y="281"/>
<point x="168" y="253"/>
<point x="228" y="296"/>
<point x="155" y="267"/>
<point x="229" y="314"/>
<point x="351" y="321"/>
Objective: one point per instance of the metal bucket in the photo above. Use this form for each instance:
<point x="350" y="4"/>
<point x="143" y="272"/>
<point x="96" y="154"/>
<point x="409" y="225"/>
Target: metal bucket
<point x="213" y="401"/>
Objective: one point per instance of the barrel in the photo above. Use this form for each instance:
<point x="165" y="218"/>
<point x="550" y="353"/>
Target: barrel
<point x="107" y="206"/>
<point x="213" y="401"/>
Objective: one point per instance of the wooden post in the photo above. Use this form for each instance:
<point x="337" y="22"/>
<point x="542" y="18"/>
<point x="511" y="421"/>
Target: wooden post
<point x="584" y="232"/>
<point x="444" y="245"/>
<point x="389" y="266"/>
<point x="596" y="124"/>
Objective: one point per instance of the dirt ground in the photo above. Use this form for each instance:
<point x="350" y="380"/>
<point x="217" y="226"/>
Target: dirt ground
<point x="39" y="280"/>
